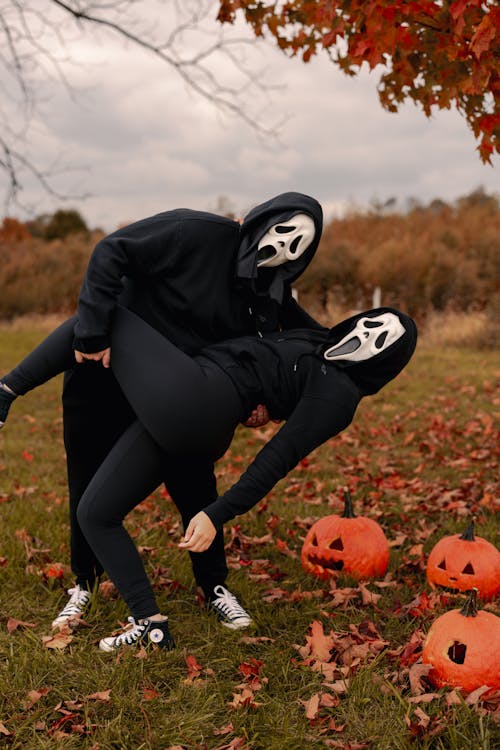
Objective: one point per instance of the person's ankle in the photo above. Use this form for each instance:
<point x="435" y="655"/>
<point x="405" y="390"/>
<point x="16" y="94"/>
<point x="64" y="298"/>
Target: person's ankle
<point x="158" y="617"/>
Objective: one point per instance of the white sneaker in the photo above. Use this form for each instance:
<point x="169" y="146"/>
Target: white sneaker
<point x="79" y="600"/>
<point x="144" y="633"/>
<point x="228" y="609"/>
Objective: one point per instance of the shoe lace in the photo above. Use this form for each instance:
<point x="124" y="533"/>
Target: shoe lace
<point x="227" y="603"/>
<point x="78" y="599"/>
<point x="131" y="634"/>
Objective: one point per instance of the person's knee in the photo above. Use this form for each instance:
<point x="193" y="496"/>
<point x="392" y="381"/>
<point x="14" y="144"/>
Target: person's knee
<point x="92" y="515"/>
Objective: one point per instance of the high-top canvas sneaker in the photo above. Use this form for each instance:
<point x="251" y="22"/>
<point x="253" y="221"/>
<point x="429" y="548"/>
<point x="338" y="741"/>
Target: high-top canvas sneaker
<point x="143" y="633"/>
<point x="78" y="603"/>
<point x="228" y="609"/>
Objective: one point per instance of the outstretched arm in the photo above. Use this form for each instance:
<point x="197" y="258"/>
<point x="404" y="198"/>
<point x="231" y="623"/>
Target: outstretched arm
<point x="313" y="421"/>
<point x="51" y="357"/>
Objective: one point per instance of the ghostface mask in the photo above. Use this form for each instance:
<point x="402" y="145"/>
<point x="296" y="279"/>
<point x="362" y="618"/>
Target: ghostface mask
<point x="369" y="337"/>
<point x="285" y="241"/>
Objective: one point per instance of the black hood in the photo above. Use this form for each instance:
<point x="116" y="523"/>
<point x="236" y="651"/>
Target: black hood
<point x="372" y="374"/>
<point x="257" y="222"/>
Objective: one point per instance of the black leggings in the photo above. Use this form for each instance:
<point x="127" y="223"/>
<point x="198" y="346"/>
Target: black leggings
<point x="194" y="409"/>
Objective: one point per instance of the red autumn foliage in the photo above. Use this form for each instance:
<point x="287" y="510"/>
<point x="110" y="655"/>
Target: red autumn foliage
<point x="436" y="54"/>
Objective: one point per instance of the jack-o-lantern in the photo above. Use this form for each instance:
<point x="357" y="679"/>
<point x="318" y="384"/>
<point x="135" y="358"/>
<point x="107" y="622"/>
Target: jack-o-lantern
<point x="462" y="562"/>
<point x="353" y="544"/>
<point x="463" y="647"/>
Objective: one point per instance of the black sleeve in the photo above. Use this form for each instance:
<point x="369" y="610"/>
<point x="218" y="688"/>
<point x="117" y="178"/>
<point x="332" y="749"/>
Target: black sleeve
<point x="143" y="248"/>
<point x="313" y="421"/>
<point x="294" y="316"/>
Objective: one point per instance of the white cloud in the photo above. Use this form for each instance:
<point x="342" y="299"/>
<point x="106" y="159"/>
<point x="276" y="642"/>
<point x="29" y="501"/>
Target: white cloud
<point x="149" y="144"/>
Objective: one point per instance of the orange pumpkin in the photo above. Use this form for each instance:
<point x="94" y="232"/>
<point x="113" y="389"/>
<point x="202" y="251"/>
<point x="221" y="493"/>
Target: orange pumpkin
<point x="353" y="544"/>
<point x="463" y="562"/>
<point x="463" y="647"/>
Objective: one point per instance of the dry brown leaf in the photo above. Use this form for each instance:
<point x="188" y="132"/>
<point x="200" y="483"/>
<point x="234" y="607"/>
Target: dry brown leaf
<point x="103" y="695"/>
<point x="416" y="672"/>
<point x="13" y="624"/>
<point x="58" y="641"/>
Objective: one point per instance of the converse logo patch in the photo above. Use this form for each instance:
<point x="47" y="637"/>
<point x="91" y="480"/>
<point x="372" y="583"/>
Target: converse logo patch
<point x="156" y="635"/>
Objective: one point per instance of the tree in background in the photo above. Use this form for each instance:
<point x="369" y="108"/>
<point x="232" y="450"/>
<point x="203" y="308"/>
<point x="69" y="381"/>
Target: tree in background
<point x="437" y="54"/>
<point x="65" y="222"/>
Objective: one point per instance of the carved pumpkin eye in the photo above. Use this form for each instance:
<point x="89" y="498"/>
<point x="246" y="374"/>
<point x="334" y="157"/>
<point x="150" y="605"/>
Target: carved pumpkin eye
<point x="314" y="541"/>
<point x="442" y="564"/>
<point x="468" y="570"/>
<point x="456" y="652"/>
<point x="336" y="544"/>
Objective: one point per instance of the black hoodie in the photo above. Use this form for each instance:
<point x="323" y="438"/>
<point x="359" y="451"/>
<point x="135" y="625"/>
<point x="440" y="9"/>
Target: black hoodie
<point x="192" y="275"/>
<point x="287" y="372"/>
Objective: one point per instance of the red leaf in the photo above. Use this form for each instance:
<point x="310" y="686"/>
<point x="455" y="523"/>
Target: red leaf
<point x="484" y="34"/>
<point x="194" y="668"/>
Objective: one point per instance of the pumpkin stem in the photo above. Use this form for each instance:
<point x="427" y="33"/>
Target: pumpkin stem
<point x="468" y="535"/>
<point x="348" y="509"/>
<point x="470" y="607"/>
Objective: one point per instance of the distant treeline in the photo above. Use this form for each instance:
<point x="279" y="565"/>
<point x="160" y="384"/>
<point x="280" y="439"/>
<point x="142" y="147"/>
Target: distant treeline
<point x="434" y="257"/>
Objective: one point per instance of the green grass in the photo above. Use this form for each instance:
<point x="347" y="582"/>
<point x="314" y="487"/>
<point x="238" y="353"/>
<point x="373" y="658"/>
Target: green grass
<point x="419" y="458"/>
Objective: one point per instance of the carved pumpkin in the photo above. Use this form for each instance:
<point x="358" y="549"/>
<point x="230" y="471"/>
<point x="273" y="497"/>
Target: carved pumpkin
<point x="463" y="647"/>
<point x="353" y="544"/>
<point x="463" y="562"/>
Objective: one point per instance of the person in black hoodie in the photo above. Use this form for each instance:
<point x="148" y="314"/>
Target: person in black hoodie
<point x="313" y="379"/>
<point x="197" y="278"/>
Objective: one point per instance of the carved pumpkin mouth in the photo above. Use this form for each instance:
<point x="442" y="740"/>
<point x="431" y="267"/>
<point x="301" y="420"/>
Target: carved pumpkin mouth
<point x="327" y="564"/>
<point x="450" y="589"/>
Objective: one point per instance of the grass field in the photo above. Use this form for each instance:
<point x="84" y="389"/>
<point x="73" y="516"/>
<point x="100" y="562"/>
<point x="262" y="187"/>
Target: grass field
<point x="420" y="458"/>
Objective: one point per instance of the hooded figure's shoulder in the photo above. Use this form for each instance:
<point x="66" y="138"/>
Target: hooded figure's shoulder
<point x="167" y="219"/>
<point x="178" y="231"/>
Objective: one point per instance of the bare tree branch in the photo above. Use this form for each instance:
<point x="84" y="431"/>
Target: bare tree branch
<point x="36" y="48"/>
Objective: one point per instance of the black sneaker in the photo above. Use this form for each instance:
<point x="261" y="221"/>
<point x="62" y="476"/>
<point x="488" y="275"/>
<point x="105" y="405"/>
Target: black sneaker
<point x="6" y="399"/>
<point x="78" y="603"/>
<point x="228" y="609"/>
<point x="143" y="633"/>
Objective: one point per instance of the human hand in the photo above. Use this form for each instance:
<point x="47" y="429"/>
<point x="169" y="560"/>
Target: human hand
<point x="199" y="534"/>
<point x="104" y="356"/>
<point x="258" y="418"/>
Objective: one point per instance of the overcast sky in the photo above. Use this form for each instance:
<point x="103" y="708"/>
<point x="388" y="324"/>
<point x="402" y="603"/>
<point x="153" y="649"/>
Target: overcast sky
<point x="145" y="143"/>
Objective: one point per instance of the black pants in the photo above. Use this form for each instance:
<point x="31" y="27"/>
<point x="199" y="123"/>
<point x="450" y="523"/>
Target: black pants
<point x="99" y="423"/>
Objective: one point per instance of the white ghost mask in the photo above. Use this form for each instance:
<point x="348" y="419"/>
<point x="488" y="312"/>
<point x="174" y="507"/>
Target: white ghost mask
<point x="369" y="337"/>
<point x="285" y="241"/>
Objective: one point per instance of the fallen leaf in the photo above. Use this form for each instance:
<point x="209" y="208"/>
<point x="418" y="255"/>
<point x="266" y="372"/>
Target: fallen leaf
<point x="13" y="624"/>
<point x="227" y="729"/>
<point x="312" y="706"/>
<point x="59" y="641"/>
<point x="476" y="694"/>
<point x="150" y="694"/>
<point x="416" y="672"/>
<point x="367" y="596"/>
<point x="424" y="698"/>
<point x="104" y="696"/>
<point x="318" y="645"/>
